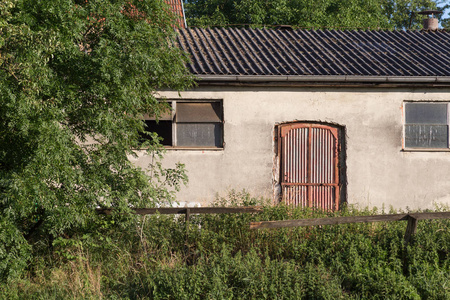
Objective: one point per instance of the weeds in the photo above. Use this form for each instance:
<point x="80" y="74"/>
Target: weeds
<point x="148" y="259"/>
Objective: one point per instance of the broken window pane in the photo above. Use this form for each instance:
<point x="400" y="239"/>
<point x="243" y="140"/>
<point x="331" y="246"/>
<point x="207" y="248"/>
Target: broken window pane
<point x="426" y="136"/>
<point x="196" y="124"/>
<point x="162" y="128"/>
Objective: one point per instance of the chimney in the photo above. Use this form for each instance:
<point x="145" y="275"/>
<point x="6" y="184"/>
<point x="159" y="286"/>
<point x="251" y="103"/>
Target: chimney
<point x="431" y="23"/>
<point x="177" y="8"/>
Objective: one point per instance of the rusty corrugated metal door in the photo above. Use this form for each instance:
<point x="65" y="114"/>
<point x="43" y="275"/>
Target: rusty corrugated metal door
<point x="309" y="165"/>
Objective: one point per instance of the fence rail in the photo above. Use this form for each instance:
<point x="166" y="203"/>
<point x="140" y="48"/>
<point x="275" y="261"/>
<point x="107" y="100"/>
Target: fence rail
<point x="188" y="210"/>
<point x="412" y="219"/>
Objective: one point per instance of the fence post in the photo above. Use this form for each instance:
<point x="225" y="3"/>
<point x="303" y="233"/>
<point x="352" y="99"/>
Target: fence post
<point x="410" y="229"/>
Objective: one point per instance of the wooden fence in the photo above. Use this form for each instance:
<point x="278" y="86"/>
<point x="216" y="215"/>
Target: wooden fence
<point x="411" y="227"/>
<point x="188" y="211"/>
<point x="412" y="219"/>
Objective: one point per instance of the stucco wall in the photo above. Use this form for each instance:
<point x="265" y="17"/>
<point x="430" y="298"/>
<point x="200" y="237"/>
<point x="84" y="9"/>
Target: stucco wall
<point x="378" y="171"/>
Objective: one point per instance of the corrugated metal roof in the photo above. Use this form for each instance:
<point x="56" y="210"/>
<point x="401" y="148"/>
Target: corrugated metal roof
<point x="233" y="51"/>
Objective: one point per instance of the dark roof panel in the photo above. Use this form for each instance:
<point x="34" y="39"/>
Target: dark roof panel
<point x="233" y="51"/>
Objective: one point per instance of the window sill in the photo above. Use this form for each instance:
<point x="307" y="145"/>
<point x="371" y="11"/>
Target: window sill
<point x="426" y="150"/>
<point x="194" y="148"/>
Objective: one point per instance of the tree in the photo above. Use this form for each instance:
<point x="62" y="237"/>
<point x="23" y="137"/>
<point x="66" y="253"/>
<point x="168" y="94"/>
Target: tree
<point x="338" y="14"/>
<point x="75" y="76"/>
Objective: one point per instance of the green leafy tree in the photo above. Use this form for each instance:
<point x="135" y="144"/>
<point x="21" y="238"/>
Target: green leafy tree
<point x="390" y="14"/>
<point x="75" y="76"/>
<point x="403" y="14"/>
<point x="444" y="5"/>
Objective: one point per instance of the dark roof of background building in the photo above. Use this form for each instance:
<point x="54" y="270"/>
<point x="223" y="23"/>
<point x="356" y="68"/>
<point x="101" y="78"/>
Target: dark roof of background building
<point x="262" y="52"/>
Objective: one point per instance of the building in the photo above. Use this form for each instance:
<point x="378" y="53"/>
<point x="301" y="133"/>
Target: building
<point x="314" y="117"/>
<point x="176" y="7"/>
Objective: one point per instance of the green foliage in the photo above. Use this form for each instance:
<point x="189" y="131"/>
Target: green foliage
<point x="444" y="5"/>
<point x="244" y="276"/>
<point x="222" y="258"/>
<point x="338" y="14"/>
<point x="74" y="78"/>
<point x="14" y="250"/>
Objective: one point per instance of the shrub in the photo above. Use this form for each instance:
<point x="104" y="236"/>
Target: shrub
<point x="152" y="258"/>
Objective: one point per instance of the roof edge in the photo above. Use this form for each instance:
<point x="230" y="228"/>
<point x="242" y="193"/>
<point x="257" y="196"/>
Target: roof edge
<point x="325" y="78"/>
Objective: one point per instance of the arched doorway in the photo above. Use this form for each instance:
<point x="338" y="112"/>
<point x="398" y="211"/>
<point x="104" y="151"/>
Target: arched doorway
<point x="310" y="164"/>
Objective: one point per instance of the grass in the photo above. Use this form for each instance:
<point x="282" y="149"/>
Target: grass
<point x="148" y="258"/>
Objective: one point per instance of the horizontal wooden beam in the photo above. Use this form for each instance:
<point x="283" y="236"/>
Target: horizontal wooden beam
<point x="328" y="221"/>
<point x="192" y="210"/>
<point x="431" y="215"/>
<point x="348" y="220"/>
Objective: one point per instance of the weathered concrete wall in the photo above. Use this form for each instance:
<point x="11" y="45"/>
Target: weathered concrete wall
<point x="378" y="171"/>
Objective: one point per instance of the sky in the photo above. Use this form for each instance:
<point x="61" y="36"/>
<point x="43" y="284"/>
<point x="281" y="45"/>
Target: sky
<point x="447" y="11"/>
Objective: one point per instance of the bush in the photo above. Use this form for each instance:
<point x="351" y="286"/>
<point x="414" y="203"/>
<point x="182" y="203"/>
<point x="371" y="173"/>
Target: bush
<point x="14" y="251"/>
<point x="151" y="257"/>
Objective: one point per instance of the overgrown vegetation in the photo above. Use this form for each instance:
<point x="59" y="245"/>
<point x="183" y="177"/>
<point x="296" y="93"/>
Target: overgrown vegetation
<point x="324" y="14"/>
<point x="75" y="78"/>
<point x="223" y="259"/>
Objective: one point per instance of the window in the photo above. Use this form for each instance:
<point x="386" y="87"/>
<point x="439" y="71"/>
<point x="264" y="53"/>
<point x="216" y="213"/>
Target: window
<point x="426" y="125"/>
<point x="191" y="124"/>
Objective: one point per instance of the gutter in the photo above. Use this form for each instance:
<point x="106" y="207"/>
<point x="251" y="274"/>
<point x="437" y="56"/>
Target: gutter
<point x="323" y="78"/>
<point x="184" y="16"/>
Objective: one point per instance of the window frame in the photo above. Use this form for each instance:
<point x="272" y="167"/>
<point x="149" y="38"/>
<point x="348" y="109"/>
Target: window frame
<point x="425" y="149"/>
<point x="174" y="124"/>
